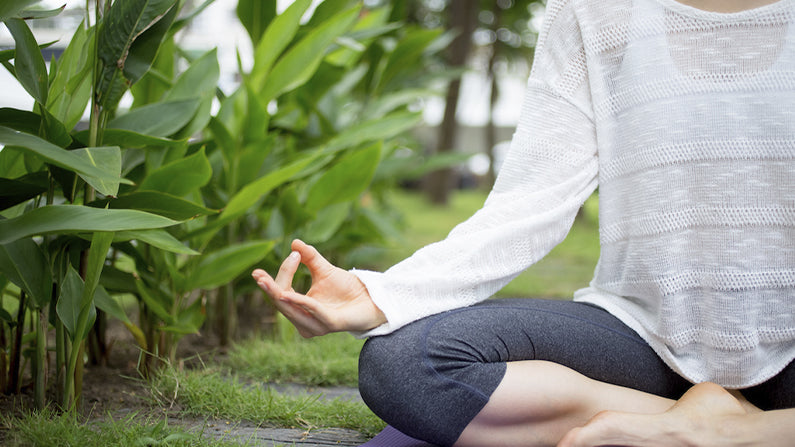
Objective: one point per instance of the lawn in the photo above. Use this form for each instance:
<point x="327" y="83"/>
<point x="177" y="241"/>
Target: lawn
<point x="235" y="388"/>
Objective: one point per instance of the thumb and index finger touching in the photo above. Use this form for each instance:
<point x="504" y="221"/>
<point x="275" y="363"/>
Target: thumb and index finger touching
<point x="302" y="253"/>
<point x="309" y="256"/>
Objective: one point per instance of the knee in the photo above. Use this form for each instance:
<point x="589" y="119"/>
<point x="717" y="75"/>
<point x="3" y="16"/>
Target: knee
<point x="382" y="363"/>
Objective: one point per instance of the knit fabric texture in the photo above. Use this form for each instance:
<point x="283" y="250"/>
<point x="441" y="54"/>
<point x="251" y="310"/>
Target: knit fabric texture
<point x="685" y="120"/>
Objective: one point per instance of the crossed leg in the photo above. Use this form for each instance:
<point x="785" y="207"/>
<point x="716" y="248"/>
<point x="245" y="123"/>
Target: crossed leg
<point x="529" y="372"/>
<point x="510" y="370"/>
<point x="563" y="399"/>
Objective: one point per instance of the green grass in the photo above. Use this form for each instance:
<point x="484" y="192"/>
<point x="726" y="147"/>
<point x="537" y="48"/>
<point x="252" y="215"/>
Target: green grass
<point x="211" y="392"/>
<point x="48" y="429"/>
<point x="214" y="392"/>
<point x="567" y="268"/>
<point x="324" y="361"/>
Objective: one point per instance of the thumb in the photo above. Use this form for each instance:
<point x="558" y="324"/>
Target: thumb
<point x="318" y="265"/>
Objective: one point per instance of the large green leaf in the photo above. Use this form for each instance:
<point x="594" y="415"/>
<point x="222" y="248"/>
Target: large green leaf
<point x="117" y="281"/>
<point x="160" y="119"/>
<point x="108" y="159"/>
<point x="375" y="129"/>
<point x="254" y="191"/>
<point x="109" y="305"/>
<point x="29" y="65"/>
<point x="156" y="202"/>
<point x="326" y="10"/>
<point x="388" y="102"/>
<point x="223" y="266"/>
<point x="70" y="91"/>
<point x="255" y="15"/>
<point x="157" y="238"/>
<point x="12" y="163"/>
<point x="145" y="46"/>
<point x="159" y="78"/>
<point x="367" y="28"/>
<point x="11" y="8"/>
<point x="326" y="223"/>
<point x="277" y="36"/>
<point x="180" y="177"/>
<point x="21" y="120"/>
<point x="252" y="159"/>
<point x="40" y="13"/>
<point x="301" y="61"/>
<point x="346" y="180"/>
<point x="97" y="252"/>
<point x="128" y="139"/>
<point x="200" y="80"/>
<point x="24" y="263"/>
<point x="225" y="141"/>
<point x="16" y="191"/>
<point x="407" y="54"/>
<point x="77" y="219"/>
<point x="54" y="131"/>
<point x="69" y="303"/>
<point x="257" y="118"/>
<point x="157" y="303"/>
<point x="126" y="21"/>
<point x="60" y="157"/>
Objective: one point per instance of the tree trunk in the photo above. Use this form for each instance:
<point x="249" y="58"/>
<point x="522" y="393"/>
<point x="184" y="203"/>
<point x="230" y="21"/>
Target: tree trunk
<point x="491" y="131"/>
<point x="463" y="18"/>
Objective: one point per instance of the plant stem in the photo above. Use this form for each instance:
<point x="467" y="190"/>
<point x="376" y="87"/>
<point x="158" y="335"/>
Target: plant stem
<point x="60" y="357"/>
<point x="16" y="348"/>
<point x="79" y="376"/>
<point x="3" y="358"/>
<point x="74" y="370"/>
<point x="40" y="365"/>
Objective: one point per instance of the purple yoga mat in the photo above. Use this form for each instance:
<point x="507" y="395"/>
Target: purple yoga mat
<point x="391" y="437"/>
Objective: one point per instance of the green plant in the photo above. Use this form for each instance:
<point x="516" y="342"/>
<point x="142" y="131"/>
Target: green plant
<point x="303" y="146"/>
<point x="173" y="205"/>
<point x="59" y="212"/>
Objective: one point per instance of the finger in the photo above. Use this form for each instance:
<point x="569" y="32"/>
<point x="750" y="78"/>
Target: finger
<point x="318" y="265"/>
<point x="315" y="308"/>
<point x="284" y="278"/>
<point x="303" y="320"/>
<point x="266" y="283"/>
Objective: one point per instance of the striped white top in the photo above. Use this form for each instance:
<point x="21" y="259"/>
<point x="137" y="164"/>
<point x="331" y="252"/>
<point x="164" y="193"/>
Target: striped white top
<point x="685" y="120"/>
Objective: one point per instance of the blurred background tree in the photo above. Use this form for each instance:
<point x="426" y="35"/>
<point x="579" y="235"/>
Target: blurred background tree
<point x="489" y="36"/>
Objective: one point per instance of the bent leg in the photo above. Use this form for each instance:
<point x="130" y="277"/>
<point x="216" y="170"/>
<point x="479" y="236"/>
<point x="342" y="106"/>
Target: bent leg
<point x="433" y="377"/>
<point x="561" y="400"/>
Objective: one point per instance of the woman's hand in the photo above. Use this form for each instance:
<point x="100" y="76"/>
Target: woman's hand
<point x="336" y="301"/>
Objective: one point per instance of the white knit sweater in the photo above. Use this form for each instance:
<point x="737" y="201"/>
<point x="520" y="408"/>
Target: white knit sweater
<point x="685" y="119"/>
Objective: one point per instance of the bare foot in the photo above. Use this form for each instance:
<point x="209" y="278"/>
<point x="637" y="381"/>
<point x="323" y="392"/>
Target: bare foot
<point x="706" y="415"/>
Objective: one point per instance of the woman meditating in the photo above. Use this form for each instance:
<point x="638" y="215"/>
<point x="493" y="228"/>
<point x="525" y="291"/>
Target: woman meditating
<point x="683" y="114"/>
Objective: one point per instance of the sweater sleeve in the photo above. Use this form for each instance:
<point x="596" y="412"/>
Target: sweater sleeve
<point x="550" y="170"/>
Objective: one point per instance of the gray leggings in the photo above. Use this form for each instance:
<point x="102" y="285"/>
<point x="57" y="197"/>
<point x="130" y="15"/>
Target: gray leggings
<point x="431" y="378"/>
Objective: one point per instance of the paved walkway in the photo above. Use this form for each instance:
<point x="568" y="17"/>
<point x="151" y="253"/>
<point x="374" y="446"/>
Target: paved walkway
<point x="273" y="437"/>
<point x="246" y="432"/>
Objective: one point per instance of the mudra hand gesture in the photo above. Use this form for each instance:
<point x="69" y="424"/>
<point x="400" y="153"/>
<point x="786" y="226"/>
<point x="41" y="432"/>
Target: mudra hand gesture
<point x="336" y="301"/>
